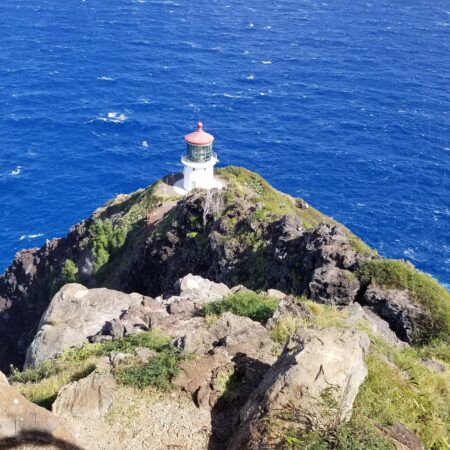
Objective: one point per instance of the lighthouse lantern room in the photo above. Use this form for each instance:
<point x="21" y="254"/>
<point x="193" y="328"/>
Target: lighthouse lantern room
<point x="199" y="161"/>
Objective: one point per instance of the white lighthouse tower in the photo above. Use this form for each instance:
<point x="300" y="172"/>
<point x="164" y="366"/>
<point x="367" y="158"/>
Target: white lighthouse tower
<point x="199" y="161"/>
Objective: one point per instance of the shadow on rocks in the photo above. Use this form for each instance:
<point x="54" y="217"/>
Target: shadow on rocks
<point x="247" y="375"/>
<point x="37" y="437"/>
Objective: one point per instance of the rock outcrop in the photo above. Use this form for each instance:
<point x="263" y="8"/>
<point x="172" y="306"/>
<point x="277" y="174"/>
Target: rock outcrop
<point x="75" y="314"/>
<point x="23" y="422"/>
<point x="397" y="308"/>
<point x="314" y="380"/>
<point x="219" y="235"/>
<point x="334" y="286"/>
<point x="89" y="397"/>
<point x="376" y="324"/>
<point x="235" y="334"/>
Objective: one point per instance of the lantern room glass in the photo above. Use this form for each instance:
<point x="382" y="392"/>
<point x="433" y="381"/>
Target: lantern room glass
<point x="199" y="153"/>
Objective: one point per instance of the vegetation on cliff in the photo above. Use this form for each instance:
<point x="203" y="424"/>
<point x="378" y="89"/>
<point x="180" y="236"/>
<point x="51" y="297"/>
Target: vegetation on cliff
<point x="42" y="384"/>
<point x="248" y="304"/>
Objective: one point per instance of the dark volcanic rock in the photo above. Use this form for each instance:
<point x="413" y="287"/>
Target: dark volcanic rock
<point x="397" y="308"/>
<point x="25" y="291"/>
<point x="333" y="286"/>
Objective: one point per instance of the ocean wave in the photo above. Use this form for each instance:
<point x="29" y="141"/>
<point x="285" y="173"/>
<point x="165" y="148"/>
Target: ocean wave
<point x="266" y="62"/>
<point x="105" y="78"/>
<point x="113" y="117"/>
<point x="145" y="144"/>
<point x="30" y="236"/>
<point x="16" y="171"/>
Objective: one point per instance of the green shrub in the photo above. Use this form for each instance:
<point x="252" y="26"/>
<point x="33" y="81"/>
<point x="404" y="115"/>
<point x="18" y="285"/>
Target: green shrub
<point x="248" y="304"/>
<point x="69" y="271"/>
<point x="425" y="290"/>
<point x="106" y="240"/>
<point x="67" y="274"/>
<point x="158" y="372"/>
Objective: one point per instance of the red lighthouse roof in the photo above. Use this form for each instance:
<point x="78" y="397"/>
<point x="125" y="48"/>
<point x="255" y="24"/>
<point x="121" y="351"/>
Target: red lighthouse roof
<point x="199" y="137"/>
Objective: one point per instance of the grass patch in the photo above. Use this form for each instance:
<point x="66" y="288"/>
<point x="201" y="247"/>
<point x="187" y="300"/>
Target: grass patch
<point x="153" y="340"/>
<point x="248" y="304"/>
<point x="158" y="372"/>
<point x="320" y="316"/>
<point x="425" y="290"/>
<point x="353" y="435"/>
<point x="408" y="393"/>
<point x="42" y="384"/>
<point x="45" y="370"/>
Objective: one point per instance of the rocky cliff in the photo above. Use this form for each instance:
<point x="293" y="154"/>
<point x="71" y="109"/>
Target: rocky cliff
<point x="122" y="272"/>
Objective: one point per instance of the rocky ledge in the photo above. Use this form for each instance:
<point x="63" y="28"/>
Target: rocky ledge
<point x="157" y="293"/>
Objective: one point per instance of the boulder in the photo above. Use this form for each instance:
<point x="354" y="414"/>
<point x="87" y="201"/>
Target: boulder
<point x="26" y="423"/>
<point x="434" y="365"/>
<point x="116" y="358"/>
<point x="200" y="289"/>
<point x="197" y="376"/>
<point x="75" y="314"/>
<point x="313" y="385"/>
<point x="139" y="317"/>
<point x="333" y="286"/>
<point x="144" y="354"/>
<point x="403" y="438"/>
<point x="328" y="244"/>
<point x="89" y="397"/>
<point x="234" y="333"/>
<point x="275" y="293"/>
<point x="377" y="325"/>
<point x="398" y="308"/>
<point x="288" y="306"/>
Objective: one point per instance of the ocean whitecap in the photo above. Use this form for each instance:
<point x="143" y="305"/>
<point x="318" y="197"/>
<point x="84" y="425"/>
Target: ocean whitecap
<point x="30" y="236"/>
<point x="16" y="171"/>
<point x="145" y="144"/>
<point x="113" y="117"/>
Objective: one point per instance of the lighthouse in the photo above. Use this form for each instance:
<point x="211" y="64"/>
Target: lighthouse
<point x="199" y="161"/>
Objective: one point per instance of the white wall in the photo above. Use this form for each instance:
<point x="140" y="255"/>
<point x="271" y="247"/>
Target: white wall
<point x="201" y="176"/>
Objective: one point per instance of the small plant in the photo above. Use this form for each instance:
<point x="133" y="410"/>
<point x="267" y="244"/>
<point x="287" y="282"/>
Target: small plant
<point x="248" y="304"/>
<point x="69" y="271"/>
<point x="67" y="274"/>
<point x="211" y="319"/>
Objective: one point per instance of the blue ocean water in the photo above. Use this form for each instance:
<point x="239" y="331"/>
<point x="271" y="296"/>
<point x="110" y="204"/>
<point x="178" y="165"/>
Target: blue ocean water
<point x="345" y="103"/>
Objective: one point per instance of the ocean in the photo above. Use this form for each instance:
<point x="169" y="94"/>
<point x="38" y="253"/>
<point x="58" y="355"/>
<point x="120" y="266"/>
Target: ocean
<point x="343" y="103"/>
